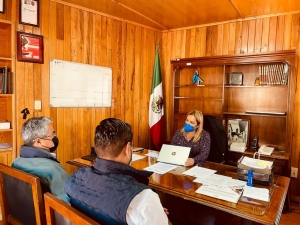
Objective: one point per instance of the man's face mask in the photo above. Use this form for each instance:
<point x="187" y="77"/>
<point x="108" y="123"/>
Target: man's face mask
<point x="55" y="142"/>
<point x="188" y="127"/>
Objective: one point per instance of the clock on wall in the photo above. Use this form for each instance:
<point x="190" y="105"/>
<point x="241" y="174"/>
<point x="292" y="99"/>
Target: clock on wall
<point x="236" y="78"/>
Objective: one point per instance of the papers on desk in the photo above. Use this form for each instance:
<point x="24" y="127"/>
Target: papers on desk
<point x="219" y="192"/>
<point x="213" y="179"/>
<point x="200" y="172"/>
<point x="152" y="154"/>
<point x="257" y="193"/>
<point x="161" y="168"/>
<point x="256" y="163"/>
<point x="136" y="157"/>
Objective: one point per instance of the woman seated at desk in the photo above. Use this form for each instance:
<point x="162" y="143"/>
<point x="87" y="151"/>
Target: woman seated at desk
<point x="192" y="135"/>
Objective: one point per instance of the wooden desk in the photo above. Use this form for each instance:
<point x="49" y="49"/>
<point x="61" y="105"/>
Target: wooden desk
<point x="176" y="184"/>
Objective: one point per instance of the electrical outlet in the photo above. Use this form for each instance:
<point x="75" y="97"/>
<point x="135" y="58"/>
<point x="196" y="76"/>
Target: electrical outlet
<point x="294" y="172"/>
<point x="37" y="104"/>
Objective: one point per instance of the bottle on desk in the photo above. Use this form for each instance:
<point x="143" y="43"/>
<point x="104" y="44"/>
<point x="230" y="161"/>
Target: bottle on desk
<point x="250" y="178"/>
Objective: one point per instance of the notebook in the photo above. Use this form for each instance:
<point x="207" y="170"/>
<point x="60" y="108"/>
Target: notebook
<point x="173" y="154"/>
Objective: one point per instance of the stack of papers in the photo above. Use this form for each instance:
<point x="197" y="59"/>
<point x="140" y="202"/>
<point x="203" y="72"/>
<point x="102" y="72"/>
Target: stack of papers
<point x="200" y="172"/>
<point x="5" y="145"/>
<point x="257" y="193"/>
<point x="257" y="163"/>
<point x="136" y="157"/>
<point x="238" y="147"/>
<point x="161" y="168"/>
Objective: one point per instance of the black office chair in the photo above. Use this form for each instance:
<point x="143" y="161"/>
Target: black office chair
<point x="21" y="197"/>
<point x="218" y="137"/>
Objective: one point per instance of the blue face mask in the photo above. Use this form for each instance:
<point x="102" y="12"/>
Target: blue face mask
<point x="188" y="128"/>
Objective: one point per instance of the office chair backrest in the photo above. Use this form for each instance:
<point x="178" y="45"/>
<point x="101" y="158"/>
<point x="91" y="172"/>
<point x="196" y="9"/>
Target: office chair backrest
<point x="60" y="213"/>
<point x="21" y="197"/>
<point x="218" y="137"/>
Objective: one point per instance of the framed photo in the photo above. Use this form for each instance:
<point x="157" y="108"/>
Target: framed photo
<point x="236" y="78"/>
<point x="2" y="6"/>
<point x="238" y="131"/>
<point x="30" y="47"/>
<point x="29" y="12"/>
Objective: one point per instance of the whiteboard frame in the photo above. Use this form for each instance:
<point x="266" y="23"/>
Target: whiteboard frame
<point x="84" y="74"/>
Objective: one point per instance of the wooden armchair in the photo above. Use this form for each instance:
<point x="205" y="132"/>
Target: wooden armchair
<point x="21" y="197"/>
<point x="60" y="213"/>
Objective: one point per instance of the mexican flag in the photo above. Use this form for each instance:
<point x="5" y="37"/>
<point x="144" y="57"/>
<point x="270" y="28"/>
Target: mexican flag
<point x="156" y="107"/>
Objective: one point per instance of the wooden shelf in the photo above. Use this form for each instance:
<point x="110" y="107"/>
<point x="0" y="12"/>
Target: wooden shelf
<point x="251" y="114"/>
<point x="7" y="101"/>
<point x="232" y="101"/>
<point x="258" y="86"/>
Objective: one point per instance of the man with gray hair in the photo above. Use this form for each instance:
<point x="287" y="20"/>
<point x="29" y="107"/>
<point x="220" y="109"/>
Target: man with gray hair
<point x="35" y="157"/>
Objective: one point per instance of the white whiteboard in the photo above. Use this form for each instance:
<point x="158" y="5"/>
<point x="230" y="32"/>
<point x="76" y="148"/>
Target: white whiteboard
<point x="79" y="85"/>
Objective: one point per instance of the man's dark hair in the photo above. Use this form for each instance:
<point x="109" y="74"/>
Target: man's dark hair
<point x="111" y="135"/>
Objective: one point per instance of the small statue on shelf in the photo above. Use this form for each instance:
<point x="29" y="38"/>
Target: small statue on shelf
<point x="196" y="78"/>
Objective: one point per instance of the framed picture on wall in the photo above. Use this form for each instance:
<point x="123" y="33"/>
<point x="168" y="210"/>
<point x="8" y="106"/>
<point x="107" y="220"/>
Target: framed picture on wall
<point x="2" y="6"/>
<point x="29" y="12"/>
<point x="30" y="47"/>
<point x="238" y="131"/>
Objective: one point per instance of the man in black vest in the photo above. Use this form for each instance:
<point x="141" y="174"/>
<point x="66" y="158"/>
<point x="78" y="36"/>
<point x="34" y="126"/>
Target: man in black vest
<point x="112" y="192"/>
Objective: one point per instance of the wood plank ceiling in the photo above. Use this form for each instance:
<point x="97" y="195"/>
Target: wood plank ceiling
<point x="173" y="14"/>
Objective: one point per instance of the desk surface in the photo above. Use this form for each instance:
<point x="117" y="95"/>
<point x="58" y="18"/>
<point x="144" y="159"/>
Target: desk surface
<point x="175" y="183"/>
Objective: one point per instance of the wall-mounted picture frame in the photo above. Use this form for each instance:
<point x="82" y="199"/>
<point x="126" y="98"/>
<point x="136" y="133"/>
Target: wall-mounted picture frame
<point x="238" y="131"/>
<point x="30" y="47"/>
<point x="29" y="12"/>
<point x="2" y="6"/>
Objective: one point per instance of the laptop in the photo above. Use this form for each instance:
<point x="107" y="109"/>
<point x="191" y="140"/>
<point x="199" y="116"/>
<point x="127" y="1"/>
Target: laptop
<point x="173" y="154"/>
<point x="91" y="157"/>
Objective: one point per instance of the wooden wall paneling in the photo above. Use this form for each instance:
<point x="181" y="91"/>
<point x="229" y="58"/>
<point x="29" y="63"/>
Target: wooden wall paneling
<point x="244" y="38"/>
<point x="179" y="43"/>
<point x="19" y="98"/>
<point x="258" y="36"/>
<point x="287" y="31"/>
<point x="265" y="34"/>
<point x="130" y="75"/>
<point x="45" y="68"/>
<point x="238" y="37"/>
<point x="203" y="32"/>
<point x="225" y="39"/>
<point x="37" y="81"/>
<point x="209" y="42"/>
<point x="280" y="32"/>
<point x="28" y="86"/>
<point x="137" y="119"/>
<point x="123" y="74"/>
<point x="231" y="42"/>
<point x="189" y="43"/>
<point x="198" y="42"/>
<point x="167" y="81"/>
<point x="219" y="39"/>
<point x="272" y="34"/>
<point x="116" y="65"/>
<point x="295" y="31"/>
<point x="214" y="40"/>
<point x="251" y="36"/>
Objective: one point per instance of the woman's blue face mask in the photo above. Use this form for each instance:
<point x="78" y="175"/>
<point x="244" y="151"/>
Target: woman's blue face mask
<point x="188" y="127"/>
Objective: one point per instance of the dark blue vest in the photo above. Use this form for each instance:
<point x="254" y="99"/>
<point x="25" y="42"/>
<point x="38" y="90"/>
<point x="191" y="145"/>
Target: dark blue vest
<point x="106" y="188"/>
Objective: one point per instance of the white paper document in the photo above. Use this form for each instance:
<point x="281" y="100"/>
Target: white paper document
<point x="256" y="163"/>
<point x="257" y="193"/>
<point x="136" y="157"/>
<point x="161" y="168"/>
<point x="198" y="171"/>
<point x="214" y="179"/>
<point x="219" y="192"/>
<point x="152" y="154"/>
